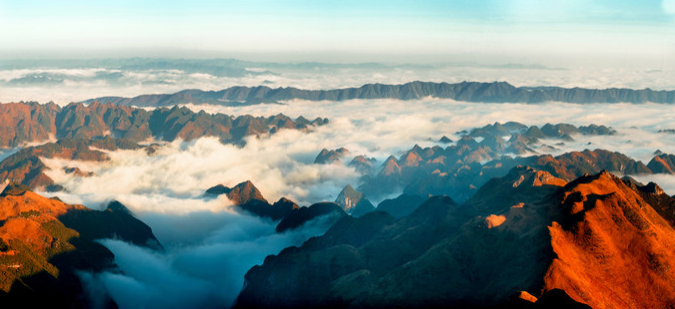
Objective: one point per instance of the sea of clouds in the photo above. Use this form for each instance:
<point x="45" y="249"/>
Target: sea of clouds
<point x="209" y="245"/>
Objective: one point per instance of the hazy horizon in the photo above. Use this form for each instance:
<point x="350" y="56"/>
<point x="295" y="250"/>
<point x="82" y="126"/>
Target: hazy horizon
<point x="558" y="33"/>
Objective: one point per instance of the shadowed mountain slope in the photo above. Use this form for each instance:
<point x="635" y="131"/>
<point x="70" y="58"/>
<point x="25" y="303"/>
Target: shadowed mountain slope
<point x="596" y="238"/>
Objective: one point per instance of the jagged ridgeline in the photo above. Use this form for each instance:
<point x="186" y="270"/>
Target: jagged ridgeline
<point x="495" y="92"/>
<point x="21" y="123"/>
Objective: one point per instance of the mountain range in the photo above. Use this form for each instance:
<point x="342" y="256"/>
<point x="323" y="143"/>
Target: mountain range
<point x="494" y="92"/>
<point x="22" y="123"/>
<point x="460" y="168"/>
<point x="597" y="240"/>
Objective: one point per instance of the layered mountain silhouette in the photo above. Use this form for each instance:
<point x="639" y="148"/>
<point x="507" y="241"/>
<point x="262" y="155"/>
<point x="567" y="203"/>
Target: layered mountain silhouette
<point x="454" y="172"/>
<point x="288" y="214"/>
<point x="44" y="242"/>
<point x="32" y="122"/>
<point x="459" y="169"/>
<point x="495" y="92"/>
<point x="525" y="240"/>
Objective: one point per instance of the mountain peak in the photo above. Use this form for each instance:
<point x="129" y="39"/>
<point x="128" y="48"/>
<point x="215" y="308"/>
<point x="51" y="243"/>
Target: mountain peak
<point x="244" y="193"/>
<point x="240" y="194"/>
<point x="331" y="156"/>
<point x="411" y="158"/>
<point x="390" y="167"/>
<point x="354" y="202"/>
<point x="603" y="204"/>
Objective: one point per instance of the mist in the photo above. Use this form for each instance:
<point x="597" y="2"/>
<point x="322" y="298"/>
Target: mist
<point x="208" y="274"/>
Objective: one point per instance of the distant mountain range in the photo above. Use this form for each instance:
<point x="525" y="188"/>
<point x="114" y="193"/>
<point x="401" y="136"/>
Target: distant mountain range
<point x="495" y="92"/>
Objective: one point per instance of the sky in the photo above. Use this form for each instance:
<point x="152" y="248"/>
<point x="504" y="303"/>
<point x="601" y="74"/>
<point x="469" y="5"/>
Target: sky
<point x="523" y="31"/>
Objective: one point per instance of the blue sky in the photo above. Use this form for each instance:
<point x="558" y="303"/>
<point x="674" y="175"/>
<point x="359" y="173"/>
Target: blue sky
<point x="412" y="31"/>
